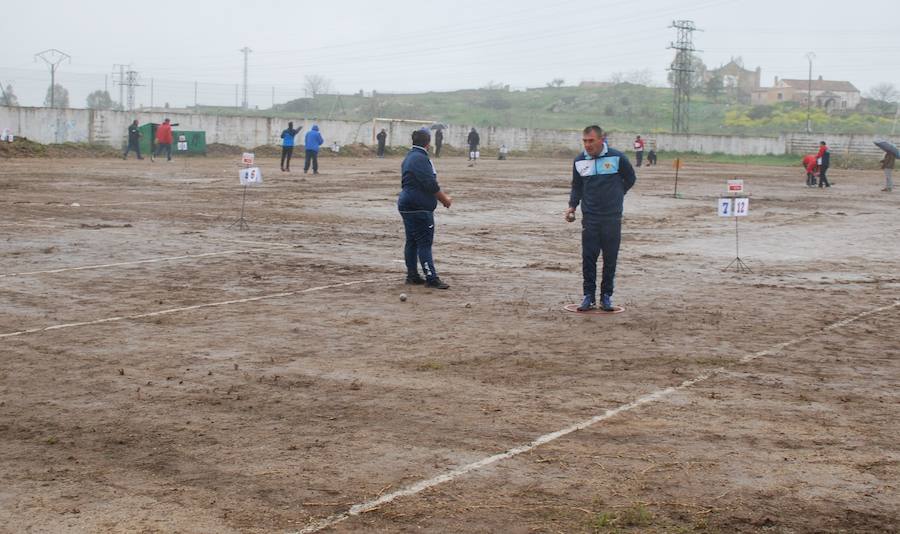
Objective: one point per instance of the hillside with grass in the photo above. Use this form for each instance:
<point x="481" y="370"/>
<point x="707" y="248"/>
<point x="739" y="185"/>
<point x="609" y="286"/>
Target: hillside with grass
<point x="621" y="107"/>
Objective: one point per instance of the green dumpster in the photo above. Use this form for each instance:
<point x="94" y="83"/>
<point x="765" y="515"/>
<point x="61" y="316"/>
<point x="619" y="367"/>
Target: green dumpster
<point x="196" y="140"/>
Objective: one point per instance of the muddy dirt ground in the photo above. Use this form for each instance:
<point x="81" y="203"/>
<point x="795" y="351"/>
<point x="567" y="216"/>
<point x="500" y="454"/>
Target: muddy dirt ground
<point x="162" y="372"/>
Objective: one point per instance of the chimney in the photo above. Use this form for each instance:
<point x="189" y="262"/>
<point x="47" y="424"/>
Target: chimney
<point x="776" y="81"/>
<point x="820" y="77"/>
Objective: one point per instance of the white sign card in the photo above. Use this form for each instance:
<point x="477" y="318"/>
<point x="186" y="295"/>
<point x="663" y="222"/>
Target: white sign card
<point x="251" y="176"/>
<point x="741" y="207"/>
<point x="726" y="207"/>
<point x="247" y="158"/>
<point x="182" y="145"/>
<point x="735" y="186"/>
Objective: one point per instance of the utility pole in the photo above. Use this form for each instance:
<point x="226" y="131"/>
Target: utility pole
<point x="53" y="58"/>
<point x="246" y="51"/>
<point x="235" y="95"/>
<point x="809" y="57"/>
<point x="273" y="97"/>
<point x="131" y="80"/>
<point x="195" y="97"/>
<point x="683" y="68"/>
<point x="151" y="94"/>
<point x="120" y="82"/>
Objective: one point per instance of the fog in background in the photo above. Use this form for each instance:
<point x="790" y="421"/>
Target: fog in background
<point x="434" y="46"/>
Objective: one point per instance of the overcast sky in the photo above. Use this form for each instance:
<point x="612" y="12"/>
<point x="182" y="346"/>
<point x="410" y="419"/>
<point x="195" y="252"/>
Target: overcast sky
<point x="435" y="46"/>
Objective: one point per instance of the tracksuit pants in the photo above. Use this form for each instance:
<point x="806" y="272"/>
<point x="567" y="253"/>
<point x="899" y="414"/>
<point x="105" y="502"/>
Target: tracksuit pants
<point x="419" y="227"/>
<point x="823" y="180"/>
<point x="600" y="237"/>
<point x="638" y="157"/>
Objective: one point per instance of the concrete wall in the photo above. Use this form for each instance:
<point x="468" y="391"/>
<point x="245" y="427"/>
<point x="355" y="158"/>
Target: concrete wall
<point x="46" y="125"/>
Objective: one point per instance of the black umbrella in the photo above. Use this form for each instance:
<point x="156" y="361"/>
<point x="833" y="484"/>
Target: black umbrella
<point x="438" y="126"/>
<point x="888" y="147"/>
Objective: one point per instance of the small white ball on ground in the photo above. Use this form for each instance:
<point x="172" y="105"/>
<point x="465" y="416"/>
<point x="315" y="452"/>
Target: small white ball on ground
<point x="402" y="297"/>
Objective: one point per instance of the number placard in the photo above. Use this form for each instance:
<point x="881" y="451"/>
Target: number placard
<point x="251" y="176"/>
<point x="182" y="146"/>
<point x="247" y="158"/>
<point x="741" y="207"/>
<point x="726" y="207"/>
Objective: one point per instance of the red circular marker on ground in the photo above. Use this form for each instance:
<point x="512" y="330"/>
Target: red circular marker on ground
<point x="595" y="311"/>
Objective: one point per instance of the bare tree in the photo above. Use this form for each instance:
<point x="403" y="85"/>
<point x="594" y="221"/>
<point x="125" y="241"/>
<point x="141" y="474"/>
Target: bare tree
<point x="636" y="77"/>
<point x="556" y="82"/>
<point x="496" y="86"/>
<point x="100" y="99"/>
<point x="316" y="85"/>
<point x="58" y="95"/>
<point x="8" y="98"/>
<point x="697" y="76"/>
<point x="884" y="92"/>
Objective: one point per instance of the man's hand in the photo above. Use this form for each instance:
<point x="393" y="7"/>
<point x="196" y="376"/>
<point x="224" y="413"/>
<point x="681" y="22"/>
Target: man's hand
<point x="570" y="214"/>
<point x="444" y="198"/>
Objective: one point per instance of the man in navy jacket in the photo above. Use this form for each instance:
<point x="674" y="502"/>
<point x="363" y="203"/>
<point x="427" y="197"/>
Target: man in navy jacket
<point x="287" y="146"/>
<point x="418" y="199"/>
<point x="600" y="178"/>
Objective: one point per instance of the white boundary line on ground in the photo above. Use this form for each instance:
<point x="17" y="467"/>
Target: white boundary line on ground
<point x="137" y="262"/>
<point x="657" y="395"/>
<point x="184" y="309"/>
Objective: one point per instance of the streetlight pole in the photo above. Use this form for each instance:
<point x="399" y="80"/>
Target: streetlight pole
<point x="809" y="56"/>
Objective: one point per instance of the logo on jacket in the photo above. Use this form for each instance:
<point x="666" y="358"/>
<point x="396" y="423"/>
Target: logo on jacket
<point x="601" y="166"/>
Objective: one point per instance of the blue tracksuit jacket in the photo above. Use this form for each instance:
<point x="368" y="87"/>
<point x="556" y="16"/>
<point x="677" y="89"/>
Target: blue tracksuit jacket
<point x="418" y="183"/>
<point x="599" y="184"/>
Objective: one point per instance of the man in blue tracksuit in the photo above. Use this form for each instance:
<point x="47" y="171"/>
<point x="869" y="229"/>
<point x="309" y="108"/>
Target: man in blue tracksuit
<point x="287" y="146"/>
<point x="600" y="178"/>
<point x="418" y="198"/>
<point x="312" y="141"/>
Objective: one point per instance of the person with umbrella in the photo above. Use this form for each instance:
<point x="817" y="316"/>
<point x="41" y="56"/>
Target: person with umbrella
<point x="382" y="140"/>
<point x="438" y="142"/>
<point x="887" y="164"/>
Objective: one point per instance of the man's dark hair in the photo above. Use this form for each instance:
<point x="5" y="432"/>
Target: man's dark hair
<point x="593" y="128"/>
<point x="421" y="138"/>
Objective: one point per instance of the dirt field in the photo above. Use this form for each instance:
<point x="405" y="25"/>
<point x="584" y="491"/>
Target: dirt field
<point x="162" y="372"/>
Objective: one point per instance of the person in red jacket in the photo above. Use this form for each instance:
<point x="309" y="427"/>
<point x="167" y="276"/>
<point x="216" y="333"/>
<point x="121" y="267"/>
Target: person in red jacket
<point x="638" y="151"/>
<point x="809" y="163"/>
<point x="164" y="140"/>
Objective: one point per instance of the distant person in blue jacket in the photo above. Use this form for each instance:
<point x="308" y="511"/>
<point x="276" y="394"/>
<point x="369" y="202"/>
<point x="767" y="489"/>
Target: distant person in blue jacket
<point x="600" y="178"/>
<point x="287" y="146"/>
<point x="312" y="142"/>
<point x="419" y="195"/>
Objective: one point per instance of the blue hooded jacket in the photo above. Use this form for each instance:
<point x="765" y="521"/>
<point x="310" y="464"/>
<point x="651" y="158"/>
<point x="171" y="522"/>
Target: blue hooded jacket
<point x="314" y="139"/>
<point x="599" y="184"/>
<point x="419" y="182"/>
